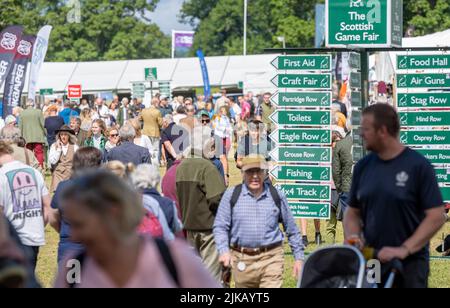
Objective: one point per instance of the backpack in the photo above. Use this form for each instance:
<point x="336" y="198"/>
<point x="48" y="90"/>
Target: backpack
<point x="150" y="225"/>
<point x="273" y="192"/>
<point x="164" y="252"/>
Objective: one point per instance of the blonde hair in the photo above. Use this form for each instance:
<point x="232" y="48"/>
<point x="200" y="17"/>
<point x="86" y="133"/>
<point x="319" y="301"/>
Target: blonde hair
<point x="119" y="169"/>
<point x="100" y="191"/>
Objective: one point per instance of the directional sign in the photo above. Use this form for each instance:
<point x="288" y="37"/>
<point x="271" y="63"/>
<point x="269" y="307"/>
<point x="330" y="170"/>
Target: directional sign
<point x="445" y="191"/>
<point x="364" y="23"/>
<point x="302" y="99"/>
<point x="303" y="81"/>
<point x="138" y="89"/>
<point x="302" y="173"/>
<point x="427" y="100"/>
<point x="358" y="153"/>
<point x="46" y="92"/>
<point x="301" y="117"/>
<point x="311" y="210"/>
<point x="436" y="156"/>
<point x="355" y="80"/>
<point x="356" y="99"/>
<point x="308" y="192"/>
<point x="423" y="80"/>
<point x="302" y="136"/>
<point x="165" y="88"/>
<point x="419" y="62"/>
<point x="357" y="138"/>
<point x="356" y="117"/>
<point x="425" y="118"/>
<point x="443" y="175"/>
<point x="354" y="61"/>
<point x="425" y="137"/>
<point x="303" y="63"/>
<point x="301" y="155"/>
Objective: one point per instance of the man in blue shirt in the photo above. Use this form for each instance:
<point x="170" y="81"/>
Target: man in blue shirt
<point x="395" y="203"/>
<point x="68" y="113"/>
<point x="248" y="234"/>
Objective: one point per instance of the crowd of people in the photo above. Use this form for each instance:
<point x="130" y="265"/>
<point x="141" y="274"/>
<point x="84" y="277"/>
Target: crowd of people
<point x="114" y="211"/>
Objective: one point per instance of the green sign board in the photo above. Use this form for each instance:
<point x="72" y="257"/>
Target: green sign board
<point x="308" y="192"/>
<point x="441" y="80"/>
<point x="426" y="100"/>
<point x="355" y="80"/>
<point x="419" y="62"/>
<point x="354" y="61"/>
<point x="303" y="81"/>
<point x="46" y="92"/>
<point x="165" y="88"/>
<point x="151" y="74"/>
<point x="357" y="136"/>
<point x="302" y="136"/>
<point x="436" y="156"/>
<point x="303" y="99"/>
<point x="356" y="117"/>
<point x="303" y="63"/>
<point x="301" y="155"/>
<point x="138" y="89"/>
<point x="356" y="99"/>
<point x="358" y="153"/>
<point x="302" y="173"/>
<point x="445" y="191"/>
<point x="425" y="137"/>
<point x="442" y="175"/>
<point x="373" y="23"/>
<point x="301" y="117"/>
<point x="241" y="85"/>
<point x="425" y="118"/>
<point x="311" y="210"/>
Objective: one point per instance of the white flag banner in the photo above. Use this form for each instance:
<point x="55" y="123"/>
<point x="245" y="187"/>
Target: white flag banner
<point x="39" y="52"/>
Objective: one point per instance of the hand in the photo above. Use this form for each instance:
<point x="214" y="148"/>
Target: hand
<point x="355" y="241"/>
<point x="387" y="254"/>
<point x="225" y="259"/>
<point x="298" y="269"/>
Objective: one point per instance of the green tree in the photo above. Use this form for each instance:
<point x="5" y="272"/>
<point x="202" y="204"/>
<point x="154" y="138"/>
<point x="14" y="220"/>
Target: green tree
<point x="426" y="16"/>
<point x="109" y="30"/>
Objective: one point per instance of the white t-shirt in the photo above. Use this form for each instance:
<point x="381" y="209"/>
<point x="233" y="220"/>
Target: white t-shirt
<point x="21" y="191"/>
<point x="145" y="143"/>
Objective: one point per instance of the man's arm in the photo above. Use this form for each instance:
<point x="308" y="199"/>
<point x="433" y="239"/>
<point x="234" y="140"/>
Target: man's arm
<point x="352" y="226"/>
<point x="171" y="151"/>
<point x="222" y="228"/>
<point x="51" y="216"/>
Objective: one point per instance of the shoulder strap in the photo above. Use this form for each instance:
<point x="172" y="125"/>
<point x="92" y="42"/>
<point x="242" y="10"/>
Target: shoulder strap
<point x="168" y="260"/>
<point x="236" y="194"/>
<point x="276" y="198"/>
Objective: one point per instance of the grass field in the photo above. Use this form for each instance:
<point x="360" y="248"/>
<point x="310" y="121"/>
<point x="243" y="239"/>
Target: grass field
<point x="439" y="278"/>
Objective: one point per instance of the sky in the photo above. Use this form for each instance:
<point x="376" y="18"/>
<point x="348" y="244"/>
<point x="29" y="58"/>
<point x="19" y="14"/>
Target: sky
<point x="165" y="16"/>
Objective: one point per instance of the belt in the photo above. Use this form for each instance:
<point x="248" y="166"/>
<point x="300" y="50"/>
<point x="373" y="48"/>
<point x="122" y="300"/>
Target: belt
<point x="256" y="251"/>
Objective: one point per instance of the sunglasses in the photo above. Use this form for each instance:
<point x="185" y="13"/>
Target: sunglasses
<point x="206" y="121"/>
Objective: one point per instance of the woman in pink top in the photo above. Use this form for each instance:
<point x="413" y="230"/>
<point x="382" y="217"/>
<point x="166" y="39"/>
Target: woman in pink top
<point x="104" y="213"/>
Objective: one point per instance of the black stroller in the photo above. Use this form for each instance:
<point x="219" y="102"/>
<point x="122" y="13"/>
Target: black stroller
<point x="341" y="267"/>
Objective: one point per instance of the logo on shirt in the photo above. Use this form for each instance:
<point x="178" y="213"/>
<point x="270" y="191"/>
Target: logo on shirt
<point x="402" y="178"/>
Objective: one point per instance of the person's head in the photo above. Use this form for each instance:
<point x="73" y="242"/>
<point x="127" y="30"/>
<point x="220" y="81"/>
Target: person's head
<point x="145" y="177"/>
<point x="200" y="98"/>
<point x="99" y="102"/>
<point x="10" y="121"/>
<point x="180" y="99"/>
<point x="67" y="104"/>
<point x="181" y="110"/>
<point x="113" y="135"/>
<point x="223" y="111"/>
<point x="188" y="102"/>
<point x="380" y="124"/>
<point x="98" y="127"/>
<point x="241" y="100"/>
<point x="75" y="124"/>
<point x="52" y="110"/>
<point x="84" y="102"/>
<point x="29" y="103"/>
<point x="256" y="129"/>
<point x="155" y="102"/>
<point x="125" y="102"/>
<point x="167" y="120"/>
<point x="102" y="209"/>
<point x="127" y="133"/>
<point x="113" y="105"/>
<point x="250" y="95"/>
<point x="190" y="110"/>
<point x="204" y="118"/>
<point x="66" y="135"/>
<point x="119" y="169"/>
<point x="266" y="98"/>
<point x="116" y="99"/>
<point x="223" y="92"/>
<point x="164" y="102"/>
<point x="254" y="170"/>
<point x="137" y="127"/>
<point x="5" y="150"/>
<point x="209" y="106"/>
<point x="11" y="135"/>
<point x="231" y="101"/>
<point x="85" y="114"/>
<point x="85" y="159"/>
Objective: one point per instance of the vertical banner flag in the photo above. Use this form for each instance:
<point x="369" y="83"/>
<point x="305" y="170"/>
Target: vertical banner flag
<point x="9" y="40"/>
<point x="182" y="42"/>
<point x="39" y="52"/>
<point x="320" y="25"/>
<point x="16" y="79"/>
<point x="205" y="74"/>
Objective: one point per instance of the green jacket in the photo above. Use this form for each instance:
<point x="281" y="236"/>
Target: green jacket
<point x="31" y="125"/>
<point x="199" y="190"/>
<point x="342" y="164"/>
<point x="267" y="110"/>
<point x="89" y="142"/>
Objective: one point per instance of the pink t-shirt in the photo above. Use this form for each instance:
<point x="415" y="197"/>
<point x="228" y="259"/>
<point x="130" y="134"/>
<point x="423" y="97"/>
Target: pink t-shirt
<point x="150" y="271"/>
<point x="246" y="108"/>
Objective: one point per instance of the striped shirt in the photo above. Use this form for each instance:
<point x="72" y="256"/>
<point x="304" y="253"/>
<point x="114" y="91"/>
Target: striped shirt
<point x="254" y="222"/>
